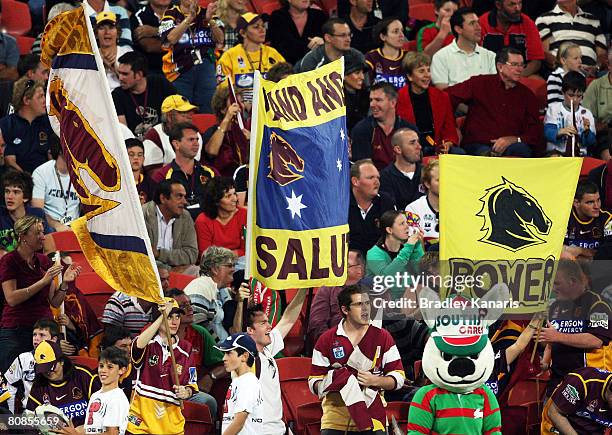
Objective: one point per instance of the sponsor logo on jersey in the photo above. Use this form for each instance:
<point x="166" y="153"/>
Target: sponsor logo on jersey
<point x="571" y="394"/>
<point x="153" y="360"/>
<point x="338" y="352"/>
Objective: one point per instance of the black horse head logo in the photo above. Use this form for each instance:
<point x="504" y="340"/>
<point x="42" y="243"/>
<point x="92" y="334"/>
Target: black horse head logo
<point x="282" y="156"/>
<point x="513" y="219"/>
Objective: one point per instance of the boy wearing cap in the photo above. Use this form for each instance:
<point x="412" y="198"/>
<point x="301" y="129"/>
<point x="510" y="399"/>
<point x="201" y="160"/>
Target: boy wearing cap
<point x="175" y="109"/>
<point x="240" y="62"/>
<point x="22" y="369"/>
<point x="61" y="383"/>
<point x="242" y="412"/>
<point x="155" y="407"/>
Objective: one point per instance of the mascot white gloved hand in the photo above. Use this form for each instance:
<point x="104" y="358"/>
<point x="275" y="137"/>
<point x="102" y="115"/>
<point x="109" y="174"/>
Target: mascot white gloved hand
<point x="458" y="359"/>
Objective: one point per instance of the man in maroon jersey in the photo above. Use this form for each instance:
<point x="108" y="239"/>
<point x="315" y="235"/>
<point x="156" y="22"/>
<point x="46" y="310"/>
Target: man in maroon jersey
<point x="581" y="404"/>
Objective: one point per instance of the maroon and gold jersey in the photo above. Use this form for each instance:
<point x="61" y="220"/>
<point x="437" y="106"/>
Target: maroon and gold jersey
<point x="587" y="314"/>
<point x="155" y="408"/>
<point x="376" y="350"/>
<point x="384" y="69"/>
<point x="581" y="398"/>
<point x="588" y="234"/>
<point x="193" y="46"/>
<point x="70" y="396"/>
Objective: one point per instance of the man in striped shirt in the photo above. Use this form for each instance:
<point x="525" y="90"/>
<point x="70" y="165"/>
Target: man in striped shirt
<point x="567" y="22"/>
<point x="126" y="311"/>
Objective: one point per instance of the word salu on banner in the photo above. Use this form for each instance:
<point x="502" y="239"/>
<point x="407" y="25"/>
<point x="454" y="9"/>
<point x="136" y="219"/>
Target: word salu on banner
<point x="299" y="181"/>
<point x="508" y="224"/>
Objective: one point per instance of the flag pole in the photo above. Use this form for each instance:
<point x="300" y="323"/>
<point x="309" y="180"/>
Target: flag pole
<point x="58" y="262"/>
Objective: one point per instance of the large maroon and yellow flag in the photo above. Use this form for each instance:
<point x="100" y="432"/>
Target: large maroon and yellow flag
<point x="112" y="232"/>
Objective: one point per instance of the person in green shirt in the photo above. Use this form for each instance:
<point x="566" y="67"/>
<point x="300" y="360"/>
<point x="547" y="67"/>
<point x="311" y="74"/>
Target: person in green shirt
<point x="399" y="246"/>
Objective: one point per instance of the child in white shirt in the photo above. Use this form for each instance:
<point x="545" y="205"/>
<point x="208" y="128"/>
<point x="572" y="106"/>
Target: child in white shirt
<point x="242" y="413"/>
<point x="558" y="122"/>
<point x="107" y="411"/>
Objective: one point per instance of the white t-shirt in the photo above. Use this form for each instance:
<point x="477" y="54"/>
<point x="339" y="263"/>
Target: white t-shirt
<point x="244" y="395"/>
<point x="154" y="155"/>
<point x="22" y="370"/>
<point x="270" y="386"/>
<point x="111" y="76"/>
<point x="59" y="195"/>
<point x="560" y="116"/>
<point x="428" y="218"/>
<point x="107" y="409"/>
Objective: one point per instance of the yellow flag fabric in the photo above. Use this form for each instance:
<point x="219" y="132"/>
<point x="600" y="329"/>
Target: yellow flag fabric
<point x="297" y="235"/>
<point x="504" y="220"/>
<point x="112" y="232"/>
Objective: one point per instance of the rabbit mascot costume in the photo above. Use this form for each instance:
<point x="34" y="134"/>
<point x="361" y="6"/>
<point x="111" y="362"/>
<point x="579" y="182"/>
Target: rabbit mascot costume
<point x="458" y="359"/>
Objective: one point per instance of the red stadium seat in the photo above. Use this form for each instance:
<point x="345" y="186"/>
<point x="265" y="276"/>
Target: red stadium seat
<point x="85" y="361"/>
<point x="24" y="44"/>
<point x="309" y="418"/>
<point x="91" y="282"/>
<point x="97" y="301"/>
<point x="588" y="164"/>
<point x="329" y="6"/>
<point x="66" y="241"/>
<point x="267" y="6"/>
<point x="538" y="87"/>
<point x="410" y="45"/>
<point x="527" y="391"/>
<point x="204" y="121"/>
<point x="180" y="280"/>
<point x="293" y="376"/>
<point x="80" y="259"/>
<point x="399" y="410"/>
<point x="16" y="18"/>
<point x="293" y="368"/>
<point x="204" y="3"/>
<point x="423" y="11"/>
<point x="198" y="420"/>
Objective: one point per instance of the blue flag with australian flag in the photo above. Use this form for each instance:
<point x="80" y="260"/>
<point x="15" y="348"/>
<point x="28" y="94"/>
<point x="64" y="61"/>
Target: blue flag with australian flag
<point x="299" y="181"/>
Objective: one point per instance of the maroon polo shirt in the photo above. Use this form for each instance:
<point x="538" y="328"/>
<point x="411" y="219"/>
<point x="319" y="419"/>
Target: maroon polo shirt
<point x="496" y="111"/>
<point x="382" y="150"/>
<point x="13" y="266"/>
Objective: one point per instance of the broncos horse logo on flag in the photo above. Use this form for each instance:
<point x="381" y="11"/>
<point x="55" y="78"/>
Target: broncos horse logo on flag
<point x="513" y="218"/>
<point x="283" y="155"/>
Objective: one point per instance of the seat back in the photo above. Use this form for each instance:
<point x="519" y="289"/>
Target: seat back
<point x="66" y="241"/>
<point x="293" y="368"/>
<point x="204" y="121"/>
<point x="180" y="280"/>
<point x="24" y="44"/>
<point x="91" y="282"/>
<point x="16" y="18"/>
<point x="198" y="420"/>
<point x="423" y="11"/>
<point x="525" y="392"/>
<point x="538" y="87"/>
<point x="309" y="417"/>
<point x="97" y="301"/>
<point x="399" y="410"/>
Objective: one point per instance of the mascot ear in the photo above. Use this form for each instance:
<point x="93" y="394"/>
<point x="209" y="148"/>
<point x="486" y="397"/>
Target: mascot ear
<point x="495" y="299"/>
<point x="429" y="313"/>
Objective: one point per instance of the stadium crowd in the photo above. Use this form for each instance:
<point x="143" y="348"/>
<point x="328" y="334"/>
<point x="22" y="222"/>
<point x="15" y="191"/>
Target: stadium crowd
<point x="489" y="78"/>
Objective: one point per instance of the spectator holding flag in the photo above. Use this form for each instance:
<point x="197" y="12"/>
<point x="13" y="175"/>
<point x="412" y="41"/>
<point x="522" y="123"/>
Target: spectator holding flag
<point x="155" y="407"/>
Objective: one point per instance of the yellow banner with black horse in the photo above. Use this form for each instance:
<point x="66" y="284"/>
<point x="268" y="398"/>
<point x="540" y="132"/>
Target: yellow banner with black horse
<point x="299" y="181"/>
<point x="504" y="220"/>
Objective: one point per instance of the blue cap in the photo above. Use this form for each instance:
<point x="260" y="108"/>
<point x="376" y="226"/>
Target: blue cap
<point x="239" y="340"/>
